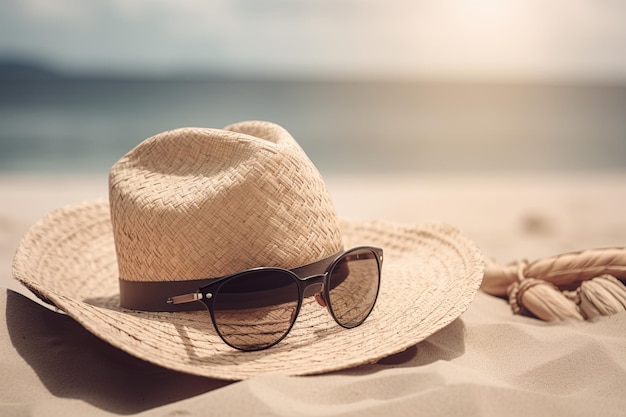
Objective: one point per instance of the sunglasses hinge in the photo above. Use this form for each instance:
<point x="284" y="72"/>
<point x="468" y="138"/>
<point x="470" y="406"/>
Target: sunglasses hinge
<point x="187" y="298"/>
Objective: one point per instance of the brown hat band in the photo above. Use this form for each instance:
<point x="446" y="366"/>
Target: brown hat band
<point x="153" y="295"/>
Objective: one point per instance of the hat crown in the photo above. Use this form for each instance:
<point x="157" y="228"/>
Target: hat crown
<point x="197" y="203"/>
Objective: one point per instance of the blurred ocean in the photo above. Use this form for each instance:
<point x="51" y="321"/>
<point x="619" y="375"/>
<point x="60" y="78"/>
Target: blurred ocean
<point x="85" y="125"/>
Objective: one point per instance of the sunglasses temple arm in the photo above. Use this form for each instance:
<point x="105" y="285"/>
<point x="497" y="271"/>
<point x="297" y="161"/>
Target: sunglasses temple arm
<point x="187" y="298"/>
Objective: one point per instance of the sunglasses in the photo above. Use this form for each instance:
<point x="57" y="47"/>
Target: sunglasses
<point x="256" y="308"/>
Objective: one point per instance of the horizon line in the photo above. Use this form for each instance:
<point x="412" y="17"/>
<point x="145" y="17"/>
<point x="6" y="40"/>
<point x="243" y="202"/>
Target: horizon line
<point x="16" y="68"/>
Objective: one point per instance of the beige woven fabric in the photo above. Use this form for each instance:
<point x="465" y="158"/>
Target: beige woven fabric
<point x="574" y="285"/>
<point x="198" y="203"/>
<point x="430" y="275"/>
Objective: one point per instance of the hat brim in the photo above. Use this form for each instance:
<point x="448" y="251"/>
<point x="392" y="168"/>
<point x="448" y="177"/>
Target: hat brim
<point x="431" y="273"/>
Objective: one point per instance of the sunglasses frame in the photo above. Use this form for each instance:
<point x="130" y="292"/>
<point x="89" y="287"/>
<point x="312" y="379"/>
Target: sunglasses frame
<point x="314" y="280"/>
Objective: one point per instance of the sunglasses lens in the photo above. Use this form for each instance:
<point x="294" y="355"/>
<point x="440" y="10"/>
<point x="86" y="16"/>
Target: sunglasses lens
<point x="256" y="309"/>
<point x="353" y="287"/>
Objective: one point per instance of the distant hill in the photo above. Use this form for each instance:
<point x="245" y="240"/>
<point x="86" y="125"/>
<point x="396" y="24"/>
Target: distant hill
<point x="24" y="70"/>
<point x="14" y="70"/>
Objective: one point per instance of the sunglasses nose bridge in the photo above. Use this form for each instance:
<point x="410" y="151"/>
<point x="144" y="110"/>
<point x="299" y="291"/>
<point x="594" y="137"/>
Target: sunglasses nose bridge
<point x="313" y="285"/>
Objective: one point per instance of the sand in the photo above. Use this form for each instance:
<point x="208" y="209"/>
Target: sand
<point x="487" y="362"/>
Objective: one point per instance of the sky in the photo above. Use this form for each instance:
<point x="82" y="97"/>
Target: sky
<point x="492" y="39"/>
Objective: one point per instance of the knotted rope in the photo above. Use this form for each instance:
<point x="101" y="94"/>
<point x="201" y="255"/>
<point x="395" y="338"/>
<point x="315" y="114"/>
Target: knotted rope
<point x="578" y="285"/>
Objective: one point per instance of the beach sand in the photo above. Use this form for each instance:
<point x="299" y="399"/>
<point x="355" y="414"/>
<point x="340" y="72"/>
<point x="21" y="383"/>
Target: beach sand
<point x="488" y="362"/>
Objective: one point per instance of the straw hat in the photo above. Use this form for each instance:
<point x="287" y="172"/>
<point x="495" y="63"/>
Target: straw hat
<point x="196" y="203"/>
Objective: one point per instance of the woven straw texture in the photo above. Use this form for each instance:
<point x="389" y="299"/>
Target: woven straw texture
<point x="198" y="203"/>
<point x="430" y="275"/>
